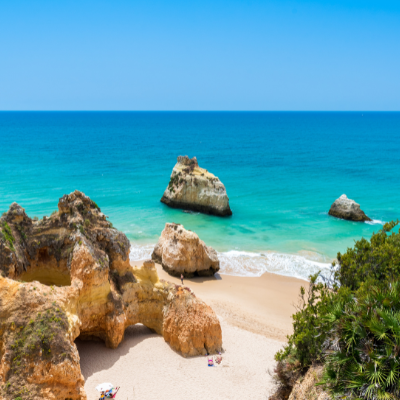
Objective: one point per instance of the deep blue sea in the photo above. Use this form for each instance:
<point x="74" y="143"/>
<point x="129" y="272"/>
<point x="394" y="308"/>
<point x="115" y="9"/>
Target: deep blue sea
<point x="281" y="170"/>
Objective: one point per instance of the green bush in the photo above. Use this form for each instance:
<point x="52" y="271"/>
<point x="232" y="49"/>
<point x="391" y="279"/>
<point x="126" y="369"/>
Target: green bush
<point x="305" y="344"/>
<point x="363" y="347"/>
<point x="372" y="261"/>
<point x="353" y="324"/>
<point x="8" y="236"/>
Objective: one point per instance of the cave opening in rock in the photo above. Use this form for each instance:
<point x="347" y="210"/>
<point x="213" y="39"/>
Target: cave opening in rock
<point x="46" y="269"/>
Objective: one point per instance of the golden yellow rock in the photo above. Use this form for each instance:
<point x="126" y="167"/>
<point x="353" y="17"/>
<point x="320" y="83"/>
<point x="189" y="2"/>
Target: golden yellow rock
<point x="68" y="276"/>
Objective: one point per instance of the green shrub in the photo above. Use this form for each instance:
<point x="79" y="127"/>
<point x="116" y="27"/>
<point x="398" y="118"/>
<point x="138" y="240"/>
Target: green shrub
<point x="305" y="344"/>
<point x="352" y="325"/>
<point x="373" y="261"/>
<point x="363" y="346"/>
<point x="87" y="223"/>
<point x="94" y="204"/>
<point x="8" y="236"/>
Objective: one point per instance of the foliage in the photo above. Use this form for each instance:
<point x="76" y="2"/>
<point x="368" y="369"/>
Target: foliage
<point x="363" y="347"/>
<point x="94" y="204"/>
<point x="352" y="328"/>
<point x="38" y="337"/>
<point x="21" y="231"/>
<point x="305" y="344"/>
<point x="8" y="236"/>
<point x="372" y="261"/>
<point x="174" y="181"/>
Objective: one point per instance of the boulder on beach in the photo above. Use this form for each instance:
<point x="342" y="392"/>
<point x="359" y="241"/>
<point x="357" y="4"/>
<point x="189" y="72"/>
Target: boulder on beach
<point x="194" y="188"/>
<point x="348" y="209"/>
<point x="68" y="276"/>
<point x="181" y="251"/>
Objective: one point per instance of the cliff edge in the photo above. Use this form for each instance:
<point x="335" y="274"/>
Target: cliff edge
<point x="69" y="276"/>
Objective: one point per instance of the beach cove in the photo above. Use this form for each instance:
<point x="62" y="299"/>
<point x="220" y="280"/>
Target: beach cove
<point x="255" y="319"/>
<point x="282" y="171"/>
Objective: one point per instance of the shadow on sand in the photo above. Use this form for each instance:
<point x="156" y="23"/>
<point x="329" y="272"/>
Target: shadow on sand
<point x="95" y="356"/>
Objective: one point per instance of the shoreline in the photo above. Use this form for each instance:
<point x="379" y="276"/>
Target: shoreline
<point x="242" y="263"/>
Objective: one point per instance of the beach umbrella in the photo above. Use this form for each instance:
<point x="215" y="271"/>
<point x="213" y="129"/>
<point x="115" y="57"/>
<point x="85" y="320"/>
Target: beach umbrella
<point x="104" y="387"/>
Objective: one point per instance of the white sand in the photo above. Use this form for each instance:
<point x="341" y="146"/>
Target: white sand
<point x="147" y="368"/>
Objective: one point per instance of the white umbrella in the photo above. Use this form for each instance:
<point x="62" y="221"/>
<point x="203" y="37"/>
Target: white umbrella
<point x="103" y="387"/>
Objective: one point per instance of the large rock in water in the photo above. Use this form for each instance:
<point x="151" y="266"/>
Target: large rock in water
<point x="345" y="208"/>
<point x="69" y="275"/>
<point x="180" y="251"/>
<point x="194" y="188"/>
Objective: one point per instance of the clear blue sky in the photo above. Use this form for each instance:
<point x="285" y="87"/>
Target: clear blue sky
<point x="199" y="55"/>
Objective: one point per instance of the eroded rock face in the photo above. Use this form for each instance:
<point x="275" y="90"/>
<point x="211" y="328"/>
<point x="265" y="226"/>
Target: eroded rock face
<point x="305" y="388"/>
<point x="180" y="251"/>
<point x="69" y="275"/>
<point x="194" y="188"/>
<point x="348" y="209"/>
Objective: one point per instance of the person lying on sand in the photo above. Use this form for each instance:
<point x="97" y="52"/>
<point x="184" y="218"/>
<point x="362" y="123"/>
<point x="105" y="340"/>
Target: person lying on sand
<point x="218" y="359"/>
<point x="210" y="362"/>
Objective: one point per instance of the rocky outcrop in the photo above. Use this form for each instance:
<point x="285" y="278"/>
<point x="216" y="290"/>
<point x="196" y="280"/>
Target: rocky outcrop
<point x="180" y="251"/>
<point x="305" y="388"/>
<point x="194" y="188"/>
<point x="69" y="275"/>
<point x="348" y="209"/>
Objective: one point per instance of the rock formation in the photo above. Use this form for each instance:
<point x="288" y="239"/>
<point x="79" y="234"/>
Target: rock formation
<point x="194" y="188"/>
<point x="306" y="388"/>
<point x="180" y="251"/>
<point x="69" y="275"/>
<point x="345" y="208"/>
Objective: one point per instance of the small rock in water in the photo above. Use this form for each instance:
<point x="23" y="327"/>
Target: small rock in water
<point x="348" y="209"/>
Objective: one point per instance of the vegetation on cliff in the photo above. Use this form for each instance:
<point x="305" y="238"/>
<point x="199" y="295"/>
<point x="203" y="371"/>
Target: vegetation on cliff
<point x="35" y="339"/>
<point x="69" y="275"/>
<point x="350" y="324"/>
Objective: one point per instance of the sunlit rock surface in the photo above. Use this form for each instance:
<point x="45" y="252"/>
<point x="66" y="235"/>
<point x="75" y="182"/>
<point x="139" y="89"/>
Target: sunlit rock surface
<point x="69" y="275"/>
<point x="194" y="188"/>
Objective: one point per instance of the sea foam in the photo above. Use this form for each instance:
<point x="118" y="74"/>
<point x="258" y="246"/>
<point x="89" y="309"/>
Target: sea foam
<point x="249" y="264"/>
<point x="375" y="222"/>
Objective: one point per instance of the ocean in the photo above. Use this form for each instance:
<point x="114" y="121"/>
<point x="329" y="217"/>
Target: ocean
<point x="281" y="170"/>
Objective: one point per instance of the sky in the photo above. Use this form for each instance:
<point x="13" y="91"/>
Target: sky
<point x="200" y="55"/>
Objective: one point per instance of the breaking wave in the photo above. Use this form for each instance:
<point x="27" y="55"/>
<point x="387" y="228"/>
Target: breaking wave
<point x="248" y="264"/>
<point x="375" y="222"/>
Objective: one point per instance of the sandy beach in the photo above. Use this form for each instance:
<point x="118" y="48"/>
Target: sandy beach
<point x="255" y="319"/>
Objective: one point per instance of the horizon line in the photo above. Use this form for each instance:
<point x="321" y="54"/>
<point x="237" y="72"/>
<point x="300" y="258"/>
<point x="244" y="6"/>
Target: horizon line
<point x="211" y="111"/>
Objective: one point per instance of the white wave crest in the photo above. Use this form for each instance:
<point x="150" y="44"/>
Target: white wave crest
<point x="241" y="263"/>
<point x="375" y="222"/>
<point x="248" y="264"/>
<point x="141" y="252"/>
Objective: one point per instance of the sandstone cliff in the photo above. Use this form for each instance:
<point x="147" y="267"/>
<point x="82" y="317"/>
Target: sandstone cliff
<point x="194" y="188"/>
<point x="305" y="387"/>
<point x="348" y="209"/>
<point x="69" y="275"/>
<point x="180" y="251"/>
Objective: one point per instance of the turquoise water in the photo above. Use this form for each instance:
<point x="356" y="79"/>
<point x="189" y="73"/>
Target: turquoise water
<point x="281" y="170"/>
